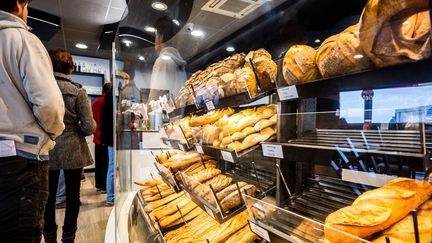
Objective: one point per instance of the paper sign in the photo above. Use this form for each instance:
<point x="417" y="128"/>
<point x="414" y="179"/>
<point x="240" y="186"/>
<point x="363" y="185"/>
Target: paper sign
<point x="259" y="231"/>
<point x="288" y="93"/>
<point x="227" y="156"/>
<point x="272" y="150"/>
<point x="7" y="148"/>
<point x="199" y="148"/>
<point x="210" y="106"/>
<point x="209" y="211"/>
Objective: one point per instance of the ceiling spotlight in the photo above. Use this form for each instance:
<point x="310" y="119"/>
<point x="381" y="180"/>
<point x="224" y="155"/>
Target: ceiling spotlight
<point x="230" y="49"/>
<point x="141" y="58"/>
<point x="81" y="46"/>
<point x="165" y="57"/>
<point x="176" y="22"/>
<point x="108" y="31"/>
<point x="127" y="42"/>
<point x="358" y="56"/>
<point x="159" y="6"/>
<point x="150" y="29"/>
<point x="317" y="41"/>
<point x="197" y="33"/>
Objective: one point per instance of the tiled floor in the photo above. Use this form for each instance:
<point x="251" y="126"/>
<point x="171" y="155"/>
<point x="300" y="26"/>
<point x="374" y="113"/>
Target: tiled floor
<point x="93" y="214"/>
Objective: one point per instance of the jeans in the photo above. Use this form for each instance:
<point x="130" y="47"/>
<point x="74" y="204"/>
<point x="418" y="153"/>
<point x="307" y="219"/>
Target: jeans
<point x="23" y="195"/>
<point x="61" y="189"/>
<point x="73" y="184"/>
<point x="101" y="166"/>
<point x="110" y="175"/>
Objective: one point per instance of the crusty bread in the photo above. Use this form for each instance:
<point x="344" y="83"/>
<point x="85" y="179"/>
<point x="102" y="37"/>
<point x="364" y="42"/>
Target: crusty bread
<point x="244" y="235"/>
<point x="393" y="32"/>
<point x="299" y="65"/>
<point x="377" y="209"/>
<point x="155" y="204"/>
<point x="403" y="231"/>
<point x="342" y="54"/>
<point x="234" y="199"/>
<point x="265" y="67"/>
<point x="240" y="135"/>
<point x="264" y="124"/>
<point x="228" y="190"/>
<point x="246" y="81"/>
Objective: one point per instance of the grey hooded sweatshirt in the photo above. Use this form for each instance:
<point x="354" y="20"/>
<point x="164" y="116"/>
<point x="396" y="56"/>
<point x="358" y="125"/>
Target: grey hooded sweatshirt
<point x="31" y="104"/>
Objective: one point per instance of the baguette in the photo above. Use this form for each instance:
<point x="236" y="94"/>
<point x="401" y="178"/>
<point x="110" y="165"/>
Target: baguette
<point x="245" y="132"/>
<point x="153" y="205"/>
<point x="244" y="235"/>
<point x="403" y="231"/>
<point x="268" y="131"/>
<point x="263" y="124"/>
<point x="166" y="221"/>
<point x="228" y="228"/>
<point x="218" y="183"/>
<point x="244" y="122"/>
<point x="265" y="112"/>
<point x="198" y="166"/>
<point x="234" y="199"/>
<point x="158" y="196"/>
<point x="228" y="190"/>
<point x="149" y="183"/>
<point x="377" y="209"/>
<point x="169" y="208"/>
<point x="206" y="174"/>
<point x="173" y="235"/>
<point x="185" y="161"/>
<point x="191" y="215"/>
<point x="253" y="140"/>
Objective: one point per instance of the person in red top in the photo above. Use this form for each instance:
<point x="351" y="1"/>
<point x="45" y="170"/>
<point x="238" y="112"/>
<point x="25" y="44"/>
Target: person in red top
<point x="101" y="150"/>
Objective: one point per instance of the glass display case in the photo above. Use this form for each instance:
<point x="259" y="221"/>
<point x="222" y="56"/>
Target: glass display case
<point x="278" y="121"/>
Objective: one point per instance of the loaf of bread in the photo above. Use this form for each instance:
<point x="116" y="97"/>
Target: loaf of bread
<point x="265" y="67"/>
<point x="210" y="117"/>
<point x="230" y="189"/>
<point x="233" y="127"/>
<point x="253" y="140"/>
<point x="377" y="209"/>
<point x="245" y="132"/>
<point x="226" y="229"/>
<point x="246" y="81"/>
<point x="265" y="112"/>
<point x="206" y="174"/>
<point x="233" y="200"/>
<point x="403" y="231"/>
<point x="198" y="166"/>
<point x="150" y="191"/>
<point x="299" y="65"/>
<point x="244" y="235"/>
<point x="264" y="124"/>
<point x="201" y="221"/>
<point x="168" y="220"/>
<point x="185" y="160"/>
<point x="150" y="183"/>
<point x="393" y="32"/>
<point x="210" y="133"/>
<point x="169" y="208"/>
<point x="155" y="204"/>
<point x="164" y="157"/>
<point x="342" y="54"/>
<point x="269" y="131"/>
<point x="196" y="212"/>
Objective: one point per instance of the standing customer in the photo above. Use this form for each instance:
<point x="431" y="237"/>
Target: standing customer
<point x="31" y="117"/>
<point x="107" y="138"/>
<point x="101" y="150"/>
<point x="71" y="152"/>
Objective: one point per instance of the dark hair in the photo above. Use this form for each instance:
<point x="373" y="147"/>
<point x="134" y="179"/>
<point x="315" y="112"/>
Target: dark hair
<point x="62" y="61"/>
<point x="10" y="5"/>
<point x="106" y="87"/>
<point x="165" y="28"/>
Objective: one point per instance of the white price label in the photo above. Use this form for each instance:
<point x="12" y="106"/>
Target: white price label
<point x="259" y="231"/>
<point x="210" y="106"/>
<point x="288" y="93"/>
<point x="272" y="150"/>
<point x="227" y="156"/>
<point x="199" y="148"/>
<point x="209" y="211"/>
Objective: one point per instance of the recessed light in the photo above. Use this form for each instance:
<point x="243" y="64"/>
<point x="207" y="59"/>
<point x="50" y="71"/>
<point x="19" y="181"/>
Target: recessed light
<point x="127" y="42"/>
<point x="81" y="46"/>
<point x="165" y="57"/>
<point x="150" y="29"/>
<point x="197" y="33"/>
<point x="317" y="40"/>
<point x="176" y="22"/>
<point x="159" y="6"/>
<point x="358" y="56"/>
<point x="230" y="49"/>
<point x="108" y="31"/>
<point x="141" y="58"/>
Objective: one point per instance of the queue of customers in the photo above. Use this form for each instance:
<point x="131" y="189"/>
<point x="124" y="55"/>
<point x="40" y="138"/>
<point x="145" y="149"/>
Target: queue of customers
<point x="44" y="120"/>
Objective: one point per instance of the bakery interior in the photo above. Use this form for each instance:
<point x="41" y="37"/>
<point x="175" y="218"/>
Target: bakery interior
<point x="295" y="121"/>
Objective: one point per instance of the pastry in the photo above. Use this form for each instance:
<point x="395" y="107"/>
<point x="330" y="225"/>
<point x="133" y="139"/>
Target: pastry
<point x="299" y="65"/>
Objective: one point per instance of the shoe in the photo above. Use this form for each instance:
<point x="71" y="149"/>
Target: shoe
<point x="98" y="189"/>
<point x="50" y="237"/>
<point x="110" y="204"/>
<point x="60" y="205"/>
<point x="103" y="191"/>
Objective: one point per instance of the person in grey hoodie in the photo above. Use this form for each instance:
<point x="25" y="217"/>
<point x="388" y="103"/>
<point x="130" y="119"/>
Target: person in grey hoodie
<point x="31" y="118"/>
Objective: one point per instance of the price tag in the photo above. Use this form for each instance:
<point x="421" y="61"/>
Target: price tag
<point x="199" y="148"/>
<point x="288" y="93"/>
<point x="209" y="211"/>
<point x="259" y="231"/>
<point x="272" y="150"/>
<point x="210" y="106"/>
<point x="227" y="156"/>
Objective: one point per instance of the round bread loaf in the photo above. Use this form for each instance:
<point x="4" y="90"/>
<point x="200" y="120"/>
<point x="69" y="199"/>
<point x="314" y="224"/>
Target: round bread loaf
<point x="299" y="65"/>
<point x="341" y="54"/>
<point x="393" y="32"/>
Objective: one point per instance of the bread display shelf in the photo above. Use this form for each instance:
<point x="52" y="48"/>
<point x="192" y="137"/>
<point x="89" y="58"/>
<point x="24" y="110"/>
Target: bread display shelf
<point x="168" y="177"/>
<point x="301" y="220"/>
<point x="153" y="234"/>
<point x="361" y="149"/>
<point x="231" y="101"/>
<point x="176" y="144"/>
<point x="230" y="155"/>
